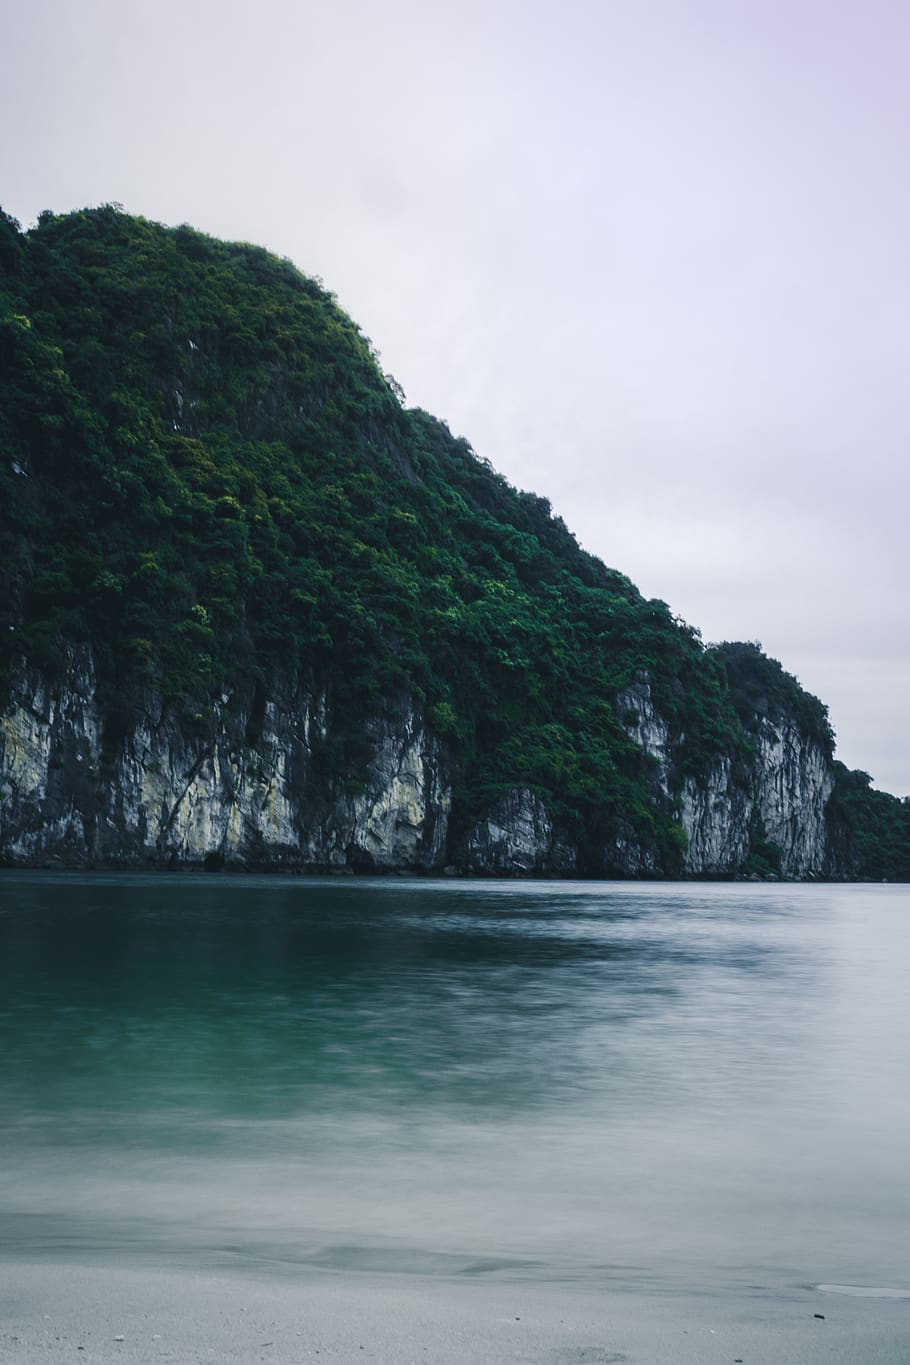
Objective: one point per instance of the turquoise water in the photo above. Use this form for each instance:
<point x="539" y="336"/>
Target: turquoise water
<point x="663" y="1084"/>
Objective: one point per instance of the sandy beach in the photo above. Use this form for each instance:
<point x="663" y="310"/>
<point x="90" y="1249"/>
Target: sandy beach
<point x="58" y="1310"/>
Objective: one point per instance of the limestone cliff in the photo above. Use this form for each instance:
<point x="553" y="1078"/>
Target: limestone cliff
<point x="250" y="793"/>
<point x="778" y="796"/>
<point x="517" y="838"/>
<point x="163" y="798"/>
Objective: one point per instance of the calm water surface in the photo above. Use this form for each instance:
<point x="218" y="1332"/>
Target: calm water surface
<point x="659" y="1083"/>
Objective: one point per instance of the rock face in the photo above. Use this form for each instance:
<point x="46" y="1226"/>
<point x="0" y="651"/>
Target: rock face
<point x="715" y="815"/>
<point x="648" y="729"/>
<point x="250" y="794"/>
<point x="516" y="839"/>
<point x="781" y="797"/>
<point x="165" y="799"/>
<point x="795" y="785"/>
<point x="782" y="800"/>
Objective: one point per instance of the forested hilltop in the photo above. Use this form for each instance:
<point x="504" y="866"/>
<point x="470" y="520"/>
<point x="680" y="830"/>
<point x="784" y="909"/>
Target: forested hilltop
<point x="227" y="545"/>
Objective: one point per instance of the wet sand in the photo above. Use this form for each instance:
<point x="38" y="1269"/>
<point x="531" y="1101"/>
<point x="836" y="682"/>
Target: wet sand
<point x="59" y="1310"/>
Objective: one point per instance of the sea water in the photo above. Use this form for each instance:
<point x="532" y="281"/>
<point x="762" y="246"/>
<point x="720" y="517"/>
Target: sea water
<point x="657" y="1084"/>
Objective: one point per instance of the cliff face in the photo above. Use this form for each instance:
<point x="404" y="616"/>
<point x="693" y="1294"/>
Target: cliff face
<point x="517" y="838"/>
<point x="163" y="798"/>
<point x="784" y="798"/>
<point x="257" y="799"/>
<point x="778" y="797"/>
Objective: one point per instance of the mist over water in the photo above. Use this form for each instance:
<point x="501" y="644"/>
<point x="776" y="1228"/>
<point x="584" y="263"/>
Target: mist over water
<point x="692" y="1084"/>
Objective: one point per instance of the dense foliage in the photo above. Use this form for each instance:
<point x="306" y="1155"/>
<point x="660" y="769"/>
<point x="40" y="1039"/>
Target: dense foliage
<point x="872" y="828"/>
<point x="761" y="691"/>
<point x="204" y="471"/>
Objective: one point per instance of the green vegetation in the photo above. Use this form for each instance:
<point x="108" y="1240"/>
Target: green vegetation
<point x="205" y="473"/>
<point x="872" y="828"/>
<point x="761" y="691"/>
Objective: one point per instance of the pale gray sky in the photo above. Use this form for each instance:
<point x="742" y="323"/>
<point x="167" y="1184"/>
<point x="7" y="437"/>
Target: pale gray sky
<point x="650" y="257"/>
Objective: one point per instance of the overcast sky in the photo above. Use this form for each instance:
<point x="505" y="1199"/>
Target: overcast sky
<point x="651" y="257"/>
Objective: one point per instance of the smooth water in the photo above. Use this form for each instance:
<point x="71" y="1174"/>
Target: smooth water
<point x="662" y="1084"/>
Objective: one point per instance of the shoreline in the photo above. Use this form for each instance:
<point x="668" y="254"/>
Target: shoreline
<point x="65" y="1308"/>
<point x="322" y="872"/>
